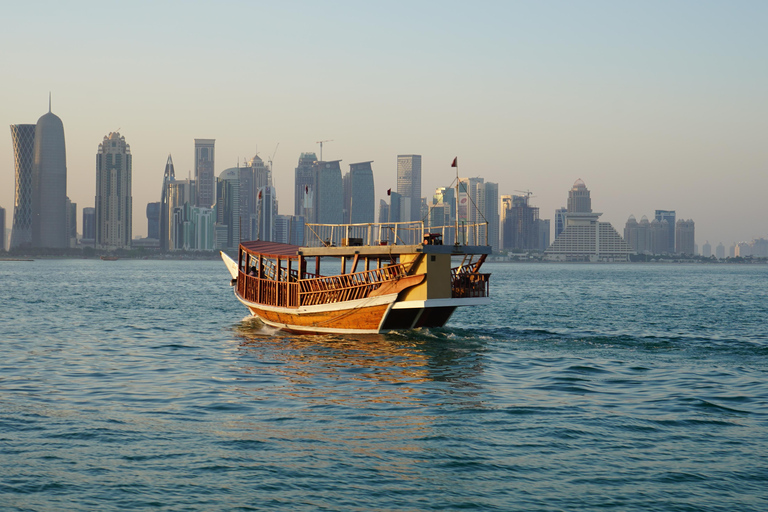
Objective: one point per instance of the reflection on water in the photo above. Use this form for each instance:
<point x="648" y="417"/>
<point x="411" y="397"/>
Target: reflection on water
<point x="368" y="395"/>
<point x="392" y="368"/>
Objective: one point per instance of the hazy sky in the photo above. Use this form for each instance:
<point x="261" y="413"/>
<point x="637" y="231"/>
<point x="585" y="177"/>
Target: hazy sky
<point x="655" y="105"/>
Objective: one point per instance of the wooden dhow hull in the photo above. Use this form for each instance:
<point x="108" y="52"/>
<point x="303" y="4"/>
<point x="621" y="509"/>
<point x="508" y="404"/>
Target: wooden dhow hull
<point x="363" y="316"/>
<point x="378" y="288"/>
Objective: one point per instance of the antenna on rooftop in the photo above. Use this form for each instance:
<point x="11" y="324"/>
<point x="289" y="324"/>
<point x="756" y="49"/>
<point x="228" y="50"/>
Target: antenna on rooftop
<point x="321" y="147"/>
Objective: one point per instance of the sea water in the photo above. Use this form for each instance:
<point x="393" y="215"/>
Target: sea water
<point x="143" y="385"/>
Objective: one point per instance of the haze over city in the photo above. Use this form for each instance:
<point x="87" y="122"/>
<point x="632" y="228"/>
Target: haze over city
<point x="655" y="105"/>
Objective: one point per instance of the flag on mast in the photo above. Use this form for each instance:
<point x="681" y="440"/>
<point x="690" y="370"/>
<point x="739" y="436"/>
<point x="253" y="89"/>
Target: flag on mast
<point x="455" y="164"/>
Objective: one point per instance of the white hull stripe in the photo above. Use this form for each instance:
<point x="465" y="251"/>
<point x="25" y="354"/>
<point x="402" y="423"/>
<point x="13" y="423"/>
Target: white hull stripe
<point x="440" y="303"/>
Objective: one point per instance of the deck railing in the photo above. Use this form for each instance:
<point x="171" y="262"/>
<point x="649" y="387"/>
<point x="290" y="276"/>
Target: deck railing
<point x="359" y="285"/>
<point x="467" y="282"/>
<point x="319" y="290"/>
<point x="394" y="233"/>
<point x="267" y="291"/>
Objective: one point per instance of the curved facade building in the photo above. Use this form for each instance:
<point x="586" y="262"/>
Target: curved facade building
<point x="49" y="184"/>
<point x="23" y="137"/>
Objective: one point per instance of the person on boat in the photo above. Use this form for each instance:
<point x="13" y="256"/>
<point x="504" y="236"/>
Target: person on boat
<point x="253" y="271"/>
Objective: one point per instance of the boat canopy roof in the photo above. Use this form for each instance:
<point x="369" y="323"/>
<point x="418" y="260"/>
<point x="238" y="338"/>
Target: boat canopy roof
<point x="272" y="249"/>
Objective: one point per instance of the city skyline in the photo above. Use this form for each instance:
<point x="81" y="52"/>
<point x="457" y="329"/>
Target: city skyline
<point x="659" y="106"/>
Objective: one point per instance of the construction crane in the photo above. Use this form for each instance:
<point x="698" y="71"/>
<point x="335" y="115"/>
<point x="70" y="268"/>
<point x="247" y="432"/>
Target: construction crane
<point x="273" y="156"/>
<point x="321" y="147"/>
<point x="528" y="195"/>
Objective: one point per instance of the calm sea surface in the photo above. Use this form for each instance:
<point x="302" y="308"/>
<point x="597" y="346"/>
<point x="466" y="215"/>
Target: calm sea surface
<point x="139" y="385"/>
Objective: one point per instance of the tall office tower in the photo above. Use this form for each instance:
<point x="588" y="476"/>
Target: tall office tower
<point x="560" y="220"/>
<point x="153" y="220"/>
<point x="359" y="197"/>
<point x="409" y="183"/>
<point x="169" y="175"/>
<point x="304" y="187"/>
<point x="253" y="177"/>
<point x="669" y="216"/>
<point x="2" y="229"/>
<point x="23" y="137"/>
<point x="706" y="250"/>
<point x="329" y="193"/>
<point x="720" y="251"/>
<point x="227" y="227"/>
<point x="684" y="237"/>
<point x="521" y="231"/>
<point x="490" y="200"/>
<point x="578" y="198"/>
<point x="89" y="225"/>
<point x="71" y="223"/>
<point x="181" y="195"/>
<point x="505" y="226"/>
<point x="49" y="184"/>
<point x="204" y="174"/>
<point x="659" y="236"/>
<point x="445" y="196"/>
<point x="383" y="211"/>
<point x="468" y="200"/>
<point x="289" y="229"/>
<point x="114" y="202"/>
<point x="543" y="228"/>
<point x="266" y="212"/>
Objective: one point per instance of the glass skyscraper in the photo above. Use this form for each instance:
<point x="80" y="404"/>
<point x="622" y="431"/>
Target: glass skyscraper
<point x="23" y="137"/>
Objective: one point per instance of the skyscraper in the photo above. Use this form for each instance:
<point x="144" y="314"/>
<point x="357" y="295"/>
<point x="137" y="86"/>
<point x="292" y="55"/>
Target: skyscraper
<point x="23" y="137"/>
<point x="584" y="237"/>
<point x="578" y="198"/>
<point x="560" y="220"/>
<point x="2" y="229"/>
<point x="169" y="175"/>
<point x="304" y="187"/>
<point x="266" y="213"/>
<point x="204" y="172"/>
<point x="153" y="220"/>
<point x="490" y="193"/>
<point x="71" y="223"/>
<point x="114" y="202"/>
<point x="89" y="225"/>
<point x="49" y="184"/>
<point x="720" y="251"/>
<point x="521" y="230"/>
<point x="685" y="237"/>
<point x="669" y="216"/>
<point x="227" y="227"/>
<point x="359" y="197"/>
<point x="409" y="183"/>
<point x="329" y="193"/>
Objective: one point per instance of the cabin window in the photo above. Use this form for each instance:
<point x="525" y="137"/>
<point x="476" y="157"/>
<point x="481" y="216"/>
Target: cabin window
<point x="432" y="257"/>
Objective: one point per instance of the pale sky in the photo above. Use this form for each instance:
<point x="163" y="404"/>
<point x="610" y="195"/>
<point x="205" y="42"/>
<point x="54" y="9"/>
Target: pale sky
<point x="654" y="104"/>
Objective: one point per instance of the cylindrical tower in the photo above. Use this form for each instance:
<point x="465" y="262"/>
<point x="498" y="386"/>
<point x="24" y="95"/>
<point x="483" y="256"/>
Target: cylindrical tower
<point x="49" y="183"/>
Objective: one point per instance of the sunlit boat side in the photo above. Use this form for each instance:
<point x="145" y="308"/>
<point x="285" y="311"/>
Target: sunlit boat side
<point x="381" y="286"/>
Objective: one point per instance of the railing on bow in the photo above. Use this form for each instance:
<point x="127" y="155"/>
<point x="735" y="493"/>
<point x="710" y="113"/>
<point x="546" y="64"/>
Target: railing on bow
<point x="343" y="287"/>
<point x="467" y="282"/>
<point x="268" y="291"/>
<point x="394" y="233"/>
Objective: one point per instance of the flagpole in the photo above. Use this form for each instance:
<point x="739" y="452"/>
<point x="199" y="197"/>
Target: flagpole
<point x="456" y="217"/>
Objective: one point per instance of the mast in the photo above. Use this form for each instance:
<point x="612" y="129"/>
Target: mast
<point x="456" y="200"/>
